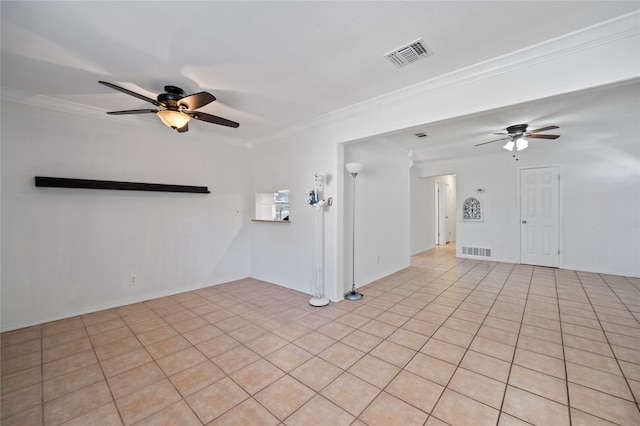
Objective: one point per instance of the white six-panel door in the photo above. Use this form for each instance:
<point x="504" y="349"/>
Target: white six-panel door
<point x="539" y="216"/>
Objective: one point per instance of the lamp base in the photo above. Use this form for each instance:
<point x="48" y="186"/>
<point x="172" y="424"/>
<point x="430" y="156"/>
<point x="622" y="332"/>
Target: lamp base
<point x="353" y="295"/>
<point x="319" y="301"/>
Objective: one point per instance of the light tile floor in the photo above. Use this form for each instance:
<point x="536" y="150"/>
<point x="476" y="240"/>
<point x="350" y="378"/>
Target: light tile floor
<point x="445" y="341"/>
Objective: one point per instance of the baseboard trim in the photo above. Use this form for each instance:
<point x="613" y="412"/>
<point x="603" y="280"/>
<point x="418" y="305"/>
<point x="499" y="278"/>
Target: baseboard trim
<point x="101" y="307"/>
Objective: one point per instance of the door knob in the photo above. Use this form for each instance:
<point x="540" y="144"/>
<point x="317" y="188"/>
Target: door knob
<point x="524" y="221"/>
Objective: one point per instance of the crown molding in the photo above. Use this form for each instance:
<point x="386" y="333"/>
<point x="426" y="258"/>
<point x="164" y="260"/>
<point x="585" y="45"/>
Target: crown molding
<point x="74" y="108"/>
<point x="622" y="27"/>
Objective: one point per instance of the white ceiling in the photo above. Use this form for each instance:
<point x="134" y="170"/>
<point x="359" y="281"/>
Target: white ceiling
<point x="596" y="114"/>
<point x="273" y="65"/>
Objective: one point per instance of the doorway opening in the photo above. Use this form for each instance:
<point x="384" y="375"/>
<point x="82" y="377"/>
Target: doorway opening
<point x="445" y="209"/>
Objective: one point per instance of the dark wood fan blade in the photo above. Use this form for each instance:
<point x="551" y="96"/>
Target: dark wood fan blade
<point x="129" y="92"/>
<point x="202" y="116"/>
<point x="543" y="129"/>
<point x="543" y="136"/>
<point x="496" y="140"/>
<point x="184" y="128"/>
<point x="197" y="100"/>
<point x="134" y="111"/>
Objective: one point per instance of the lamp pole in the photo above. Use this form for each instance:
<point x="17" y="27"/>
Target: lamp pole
<point x="354" y="169"/>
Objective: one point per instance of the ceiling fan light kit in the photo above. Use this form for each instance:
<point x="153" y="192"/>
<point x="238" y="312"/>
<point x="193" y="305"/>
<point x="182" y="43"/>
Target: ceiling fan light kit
<point x="519" y="144"/>
<point x="174" y="119"/>
<point x="177" y="109"/>
<point x="509" y="145"/>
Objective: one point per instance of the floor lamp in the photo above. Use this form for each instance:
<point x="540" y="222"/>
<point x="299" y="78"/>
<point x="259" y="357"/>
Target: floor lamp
<point x="354" y="169"/>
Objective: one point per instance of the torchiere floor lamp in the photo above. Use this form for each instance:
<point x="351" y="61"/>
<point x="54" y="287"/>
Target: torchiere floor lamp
<point x="354" y="169"/>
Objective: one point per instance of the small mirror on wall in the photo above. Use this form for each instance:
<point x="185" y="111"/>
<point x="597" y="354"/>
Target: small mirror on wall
<point x="272" y="206"/>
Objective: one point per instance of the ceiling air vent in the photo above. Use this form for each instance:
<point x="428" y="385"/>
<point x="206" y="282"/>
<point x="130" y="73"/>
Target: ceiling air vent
<point x="410" y="53"/>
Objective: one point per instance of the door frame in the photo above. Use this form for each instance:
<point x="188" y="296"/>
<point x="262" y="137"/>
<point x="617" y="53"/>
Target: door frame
<point x="560" y="208"/>
<point x="440" y="213"/>
<point x="450" y="213"/>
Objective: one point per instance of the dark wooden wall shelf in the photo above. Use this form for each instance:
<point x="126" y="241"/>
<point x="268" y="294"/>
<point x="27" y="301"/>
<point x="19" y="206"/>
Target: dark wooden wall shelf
<point x="54" y="182"/>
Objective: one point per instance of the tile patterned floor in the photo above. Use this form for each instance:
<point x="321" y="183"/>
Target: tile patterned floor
<point x="446" y="341"/>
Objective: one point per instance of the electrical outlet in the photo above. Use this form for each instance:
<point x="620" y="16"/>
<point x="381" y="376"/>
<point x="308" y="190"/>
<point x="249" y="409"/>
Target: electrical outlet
<point x="133" y="280"/>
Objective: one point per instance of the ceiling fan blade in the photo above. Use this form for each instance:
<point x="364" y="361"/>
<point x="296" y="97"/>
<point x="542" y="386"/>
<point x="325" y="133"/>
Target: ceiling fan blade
<point x="134" y="111"/>
<point x="496" y="140"/>
<point x="129" y="92"/>
<point x="534" y="136"/>
<point x="202" y="116"/>
<point x="543" y="129"/>
<point x="197" y="100"/>
<point x="183" y="129"/>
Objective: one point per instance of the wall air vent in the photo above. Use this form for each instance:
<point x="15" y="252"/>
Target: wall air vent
<point x="412" y="52"/>
<point x="476" y="252"/>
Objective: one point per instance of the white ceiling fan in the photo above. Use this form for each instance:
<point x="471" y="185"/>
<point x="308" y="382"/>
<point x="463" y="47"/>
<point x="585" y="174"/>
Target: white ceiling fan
<point x="517" y="135"/>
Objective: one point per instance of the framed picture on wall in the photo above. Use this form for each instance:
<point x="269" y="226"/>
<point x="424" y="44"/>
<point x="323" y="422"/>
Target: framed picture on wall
<point x="472" y="210"/>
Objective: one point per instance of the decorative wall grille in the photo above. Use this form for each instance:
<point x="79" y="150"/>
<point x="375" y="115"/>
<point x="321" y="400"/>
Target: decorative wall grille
<point x="472" y="210"/>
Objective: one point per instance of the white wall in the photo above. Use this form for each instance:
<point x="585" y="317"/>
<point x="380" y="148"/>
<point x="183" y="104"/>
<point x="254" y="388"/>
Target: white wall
<point x="561" y="66"/>
<point x="288" y="159"/>
<point x="422" y="212"/>
<point x="70" y="251"/>
<point x="600" y="200"/>
<point x="382" y="243"/>
<point x="285" y="253"/>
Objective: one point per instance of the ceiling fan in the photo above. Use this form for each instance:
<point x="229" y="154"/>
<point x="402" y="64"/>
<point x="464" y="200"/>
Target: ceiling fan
<point x="176" y="108"/>
<point x="517" y="133"/>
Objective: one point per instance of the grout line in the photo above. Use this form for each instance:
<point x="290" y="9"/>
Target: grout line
<point x="444" y="290"/>
<point x="564" y="357"/>
<point x="458" y="289"/>
<point x="417" y="352"/>
<point x="608" y="342"/>
<point x="515" y="348"/>
<point x="113" y="398"/>
<point x="42" y="374"/>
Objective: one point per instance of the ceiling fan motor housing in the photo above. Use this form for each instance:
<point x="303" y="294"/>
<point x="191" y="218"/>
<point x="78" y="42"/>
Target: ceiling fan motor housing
<point x="171" y="97"/>
<point x="517" y="129"/>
